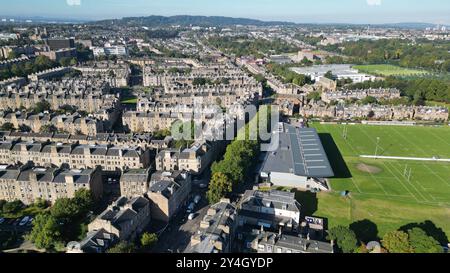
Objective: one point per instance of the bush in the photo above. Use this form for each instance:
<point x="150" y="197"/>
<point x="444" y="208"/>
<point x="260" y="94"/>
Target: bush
<point x="148" y="239"/>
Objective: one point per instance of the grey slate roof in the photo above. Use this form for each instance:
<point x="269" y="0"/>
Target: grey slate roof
<point x="300" y="152"/>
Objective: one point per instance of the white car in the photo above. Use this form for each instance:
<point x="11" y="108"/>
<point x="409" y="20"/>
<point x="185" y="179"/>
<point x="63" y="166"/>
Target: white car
<point x="191" y="216"/>
<point x="2" y="220"/>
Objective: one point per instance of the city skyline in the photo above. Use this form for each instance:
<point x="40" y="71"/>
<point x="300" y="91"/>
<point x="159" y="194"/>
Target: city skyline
<point x="322" y="11"/>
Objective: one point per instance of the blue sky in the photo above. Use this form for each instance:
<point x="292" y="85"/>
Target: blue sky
<point x="311" y="11"/>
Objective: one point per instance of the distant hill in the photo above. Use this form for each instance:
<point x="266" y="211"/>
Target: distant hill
<point x="186" y="20"/>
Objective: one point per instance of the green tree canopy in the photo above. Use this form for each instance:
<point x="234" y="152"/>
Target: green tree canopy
<point x="7" y="126"/>
<point x="219" y="187"/>
<point x="46" y="231"/>
<point x="344" y="237"/>
<point x="422" y="243"/>
<point x="149" y="239"/>
<point x="122" y="248"/>
<point x="397" y="242"/>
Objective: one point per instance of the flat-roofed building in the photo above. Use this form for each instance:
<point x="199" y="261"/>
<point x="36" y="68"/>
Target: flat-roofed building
<point x="299" y="161"/>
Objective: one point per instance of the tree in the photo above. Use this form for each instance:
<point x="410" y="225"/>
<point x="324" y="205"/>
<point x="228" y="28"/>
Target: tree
<point x="316" y="96"/>
<point x="122" y="247"/>
<point x="7" y="126"/>
<point x="12" y="207"/>
<point x="12" y="55"/>
<point x="396" y="242"/>
<point x="219" y="187"/>
<point x="422" y="243"/>
<point x="2" y="203"/>
<point x="24" y="128"/>
<point x="65" y="61"/>
<point x="345" y="238"/>
<point x="48" y="129"/>
<point x="149" y="239"/>
<point x="41" y="106"/>
<point x="65" y="209"/>
<point x="46" y="231"/>
<point x="84" y="199"/>
<point x="329" y="75"/>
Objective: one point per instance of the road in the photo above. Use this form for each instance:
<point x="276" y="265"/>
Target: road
<point x="177" y="235"/>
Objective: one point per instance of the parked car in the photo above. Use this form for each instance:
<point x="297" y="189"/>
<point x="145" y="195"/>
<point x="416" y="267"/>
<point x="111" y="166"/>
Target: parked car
<point x="2" y="220"/>
<point x="197" y="199"/>
<point x="191" y="216"/>
<point x="191" y="207"/>
<point x="202" y="186"/>
<point x="24" y="221"/>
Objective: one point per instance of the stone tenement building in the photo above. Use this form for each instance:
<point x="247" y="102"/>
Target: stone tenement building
<point x="169" y="192"/>
<point x="125" y="218"/>
<point x="194" y="159"/>
<point x="217" y="230"/>
<point x="145" y="122"/>
<point x="28" y="183"/>
<point x="149" y="105"/>
<point x="77" y="156"/>
<point x="72" y="124"/>
<point x="381" y="93"/>
<point x="117" y="74"/>
<point x="144" y="141"/>
<point x="84" y="94"/>
<point x="380" y="112"/>
<point x="158" y="75"/>
<point x="221" y="99"/>
<point x="49" y="74"/>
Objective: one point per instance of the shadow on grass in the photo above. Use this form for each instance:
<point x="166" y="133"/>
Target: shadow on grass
<point x="431" y="229"/>
<point x="337" y="162"/>
<point x="308" y="201"/>
<point x="365" y="230"/>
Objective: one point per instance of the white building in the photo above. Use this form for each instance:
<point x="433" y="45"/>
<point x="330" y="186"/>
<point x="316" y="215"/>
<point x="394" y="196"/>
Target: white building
<point x="340" y="71"/>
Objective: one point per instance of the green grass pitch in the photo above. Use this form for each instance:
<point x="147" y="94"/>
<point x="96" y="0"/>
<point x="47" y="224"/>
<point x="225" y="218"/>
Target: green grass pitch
<point x="387" y="197"/>
<point x="389" y="70"/>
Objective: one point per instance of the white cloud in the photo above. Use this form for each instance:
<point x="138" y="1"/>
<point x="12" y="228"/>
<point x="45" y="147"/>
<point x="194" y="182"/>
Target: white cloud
<point x="73" y="2"/>
<point x="374" y="2"/>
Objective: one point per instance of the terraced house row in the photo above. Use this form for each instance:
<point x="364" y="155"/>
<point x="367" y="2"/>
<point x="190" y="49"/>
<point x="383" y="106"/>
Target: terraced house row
<point x="28" y="183"/>
<point x="78" y="156"/>
<point x="380" y="93"/>
<point x="354" y="111"/>
<point x="72" y="124"/>
<point x="144" y="141"/>
<point x="89" y="96"/>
